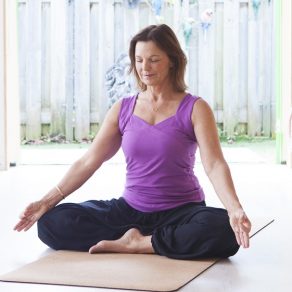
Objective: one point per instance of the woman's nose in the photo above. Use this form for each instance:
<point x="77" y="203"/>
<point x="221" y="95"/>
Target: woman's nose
<point x="145" y="65"/>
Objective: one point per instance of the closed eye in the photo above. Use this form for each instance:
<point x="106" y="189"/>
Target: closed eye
<point x="152" y="61"/>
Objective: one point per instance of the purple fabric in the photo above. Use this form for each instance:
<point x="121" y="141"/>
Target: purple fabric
<point x="160" y="158"/>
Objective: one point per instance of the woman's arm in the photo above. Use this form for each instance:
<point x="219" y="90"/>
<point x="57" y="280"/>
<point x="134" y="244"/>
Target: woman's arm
<point x="105" y="145"/>
<point x="217" y="169"/>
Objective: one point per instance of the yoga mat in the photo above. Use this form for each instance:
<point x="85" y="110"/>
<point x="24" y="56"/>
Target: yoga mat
<point x="110" y="270"/>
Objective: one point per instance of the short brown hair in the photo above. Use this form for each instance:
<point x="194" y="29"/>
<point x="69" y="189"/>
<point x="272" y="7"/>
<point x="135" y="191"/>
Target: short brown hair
<point x="164" y="37"/>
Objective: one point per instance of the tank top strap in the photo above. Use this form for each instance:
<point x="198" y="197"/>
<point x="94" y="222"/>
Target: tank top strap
<point x="184" y="115"/>
<point x="126" y="111"/>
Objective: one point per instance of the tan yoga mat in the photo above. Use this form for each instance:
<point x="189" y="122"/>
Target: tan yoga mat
<point x="109" y="270"/>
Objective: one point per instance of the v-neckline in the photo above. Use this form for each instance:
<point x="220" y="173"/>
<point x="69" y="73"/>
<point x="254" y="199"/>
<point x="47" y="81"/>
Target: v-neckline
<point x="165" y="120"/>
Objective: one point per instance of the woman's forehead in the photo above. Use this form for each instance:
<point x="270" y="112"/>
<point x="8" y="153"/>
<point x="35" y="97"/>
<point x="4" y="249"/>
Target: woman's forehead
<point x="148" y="48"/>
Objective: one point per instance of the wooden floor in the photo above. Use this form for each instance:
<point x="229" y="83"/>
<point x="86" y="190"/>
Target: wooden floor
<point x="265" y="190"/>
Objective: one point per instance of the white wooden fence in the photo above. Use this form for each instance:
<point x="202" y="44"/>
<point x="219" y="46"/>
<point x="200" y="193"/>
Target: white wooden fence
<point x="66" y="47"/>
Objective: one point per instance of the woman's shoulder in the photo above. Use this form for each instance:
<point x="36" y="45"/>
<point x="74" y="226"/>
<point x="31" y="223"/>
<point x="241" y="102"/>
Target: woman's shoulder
<point x="126" y="106"/>
<point x="200" y="102"/>
<point x="194" y="97"/>
<point x="122" y="102"/>
<point x="127" y="102"/>
<point x="201" y="110"/>
<point x="190" y="100"/>
<point x="129" y="98"/>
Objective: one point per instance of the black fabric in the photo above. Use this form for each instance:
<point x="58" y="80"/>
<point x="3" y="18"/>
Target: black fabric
<point x="190" y="231"/>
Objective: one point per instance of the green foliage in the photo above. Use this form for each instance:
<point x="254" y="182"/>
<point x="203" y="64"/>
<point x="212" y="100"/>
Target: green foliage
<point x="239" y="136"/>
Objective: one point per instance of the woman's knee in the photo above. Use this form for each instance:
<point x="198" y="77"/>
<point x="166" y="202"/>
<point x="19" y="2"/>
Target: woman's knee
<point x="68" y="226"/>
<point x="229" y="243"/>
<point x="53" y="226"/>
<point x="47" y="232"/>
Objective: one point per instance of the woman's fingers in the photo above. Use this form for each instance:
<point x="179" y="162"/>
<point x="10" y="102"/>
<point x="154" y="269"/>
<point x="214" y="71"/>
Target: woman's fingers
<point x="244" y="239"/>
<point x="30" y="215"/>
<point x="29" y="225"/>
<point x="21" y="225"/>
<point x="17" y="227"/>
<point x="24" y="224"/>
<point x="241" y="227"/>
<point x="237" y="236"/>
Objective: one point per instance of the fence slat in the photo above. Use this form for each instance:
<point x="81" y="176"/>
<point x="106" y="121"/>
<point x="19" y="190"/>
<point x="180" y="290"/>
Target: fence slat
<point x="46" y="57"/>
<point x="218" y="70"/>
<point x="119" y="45"/>
<point x="81" y="69"/>
<point x="106" y="50"/>
<point x="131" y="22"/>
<point x="193" y="51"/>
<point x="33" y="69"/>
<point x="58" y="64"/>
<point x="267" y="49"/>
<point x="254" y="124"/>
<point x="94" y="62"/>
<point x="144" y="13"/>
<point x="231" y="66"/>
<point x="243" y="68"/>
<point x="22" y="64"/>
<point x="206" y="56"/>
<point x="69" y="120"/>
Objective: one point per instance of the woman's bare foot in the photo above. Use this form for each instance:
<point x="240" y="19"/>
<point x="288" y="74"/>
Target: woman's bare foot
<point x="131" y="242"/>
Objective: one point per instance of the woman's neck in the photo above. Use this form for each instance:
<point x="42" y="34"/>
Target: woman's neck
<point x="158" y="93"/>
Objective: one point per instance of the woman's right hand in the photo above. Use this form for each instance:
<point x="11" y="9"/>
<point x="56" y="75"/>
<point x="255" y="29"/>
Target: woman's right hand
<point x="32" y="213"/>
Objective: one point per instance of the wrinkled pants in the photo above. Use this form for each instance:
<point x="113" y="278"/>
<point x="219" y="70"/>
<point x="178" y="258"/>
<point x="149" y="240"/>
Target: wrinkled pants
<point x="190" y="231"/>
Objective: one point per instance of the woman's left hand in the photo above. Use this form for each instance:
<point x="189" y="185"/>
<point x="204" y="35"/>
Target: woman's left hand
<point x="241" y="226"/>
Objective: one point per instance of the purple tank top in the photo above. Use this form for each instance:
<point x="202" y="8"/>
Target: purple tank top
<point x="160" y="158"/>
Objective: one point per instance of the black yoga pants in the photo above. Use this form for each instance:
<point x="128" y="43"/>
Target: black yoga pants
<point x="190" y="231"/>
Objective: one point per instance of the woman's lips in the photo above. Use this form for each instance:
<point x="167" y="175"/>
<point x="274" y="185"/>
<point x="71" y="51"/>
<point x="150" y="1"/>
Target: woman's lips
<point x="148" y="75"/>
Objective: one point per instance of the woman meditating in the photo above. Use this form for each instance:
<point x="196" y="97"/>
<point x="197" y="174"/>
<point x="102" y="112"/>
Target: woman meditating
<point x="162" y="209"/>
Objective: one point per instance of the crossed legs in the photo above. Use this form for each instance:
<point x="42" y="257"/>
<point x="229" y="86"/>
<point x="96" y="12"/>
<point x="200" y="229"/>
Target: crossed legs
<point x="186" y="232"/>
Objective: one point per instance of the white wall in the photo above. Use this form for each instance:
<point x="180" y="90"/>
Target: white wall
<point x="3" y="154"/>
<point x="9" y="95"/>
<point x="12" y="88"/>
<point x="287" y="78"/>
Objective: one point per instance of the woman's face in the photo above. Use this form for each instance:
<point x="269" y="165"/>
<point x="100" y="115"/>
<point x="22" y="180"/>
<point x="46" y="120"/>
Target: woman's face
<point x="151" y="63"/>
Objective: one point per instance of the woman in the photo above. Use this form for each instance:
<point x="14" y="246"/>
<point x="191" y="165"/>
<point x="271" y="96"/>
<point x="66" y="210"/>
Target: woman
<point x="162" y="209"/>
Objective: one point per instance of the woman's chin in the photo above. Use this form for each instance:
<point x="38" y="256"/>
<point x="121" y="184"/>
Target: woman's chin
<point x="150" y="82"/>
